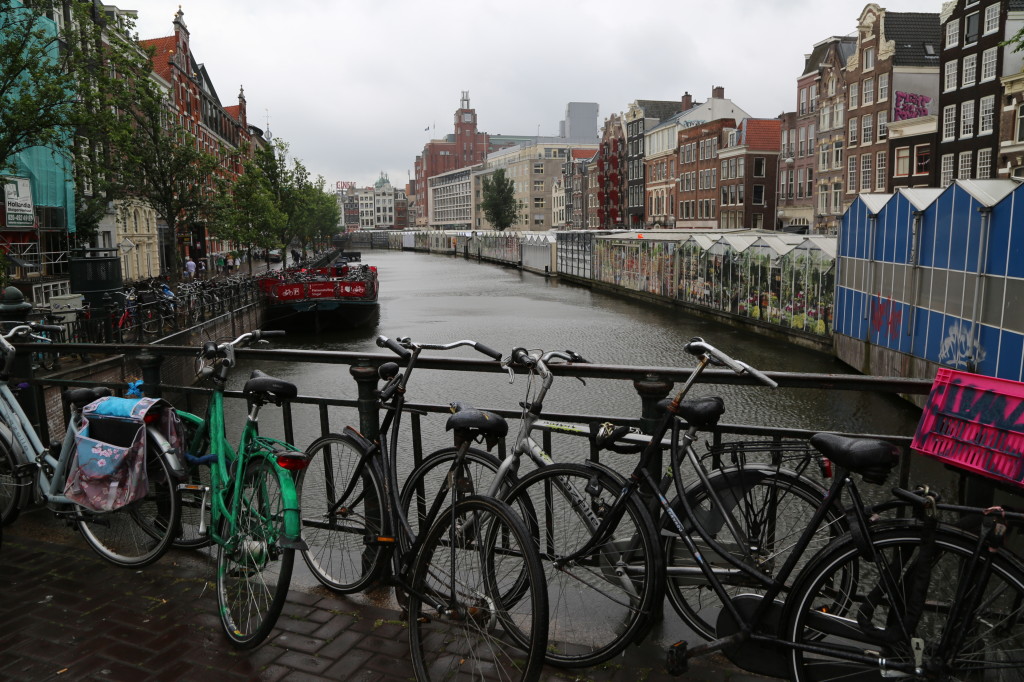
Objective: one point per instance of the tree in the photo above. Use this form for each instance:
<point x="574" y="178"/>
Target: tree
<point x="251" y="214"/>
<point x="499" y="203"/>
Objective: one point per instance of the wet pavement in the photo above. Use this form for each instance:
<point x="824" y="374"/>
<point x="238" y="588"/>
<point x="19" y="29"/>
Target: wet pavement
<point x="66" y="614"/>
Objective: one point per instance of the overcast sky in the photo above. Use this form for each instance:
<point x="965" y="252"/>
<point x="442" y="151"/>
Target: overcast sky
<point x="351" y="85"/>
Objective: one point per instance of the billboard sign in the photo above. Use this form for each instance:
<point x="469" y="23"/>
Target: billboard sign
<point x="18" y="202"/>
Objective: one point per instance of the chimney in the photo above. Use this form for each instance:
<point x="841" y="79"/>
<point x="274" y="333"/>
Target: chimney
<point x="687" y="101"/>
<point x="718" y="92"/>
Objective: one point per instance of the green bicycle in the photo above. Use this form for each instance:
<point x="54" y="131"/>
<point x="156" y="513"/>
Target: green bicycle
<point x="242" y="499"/>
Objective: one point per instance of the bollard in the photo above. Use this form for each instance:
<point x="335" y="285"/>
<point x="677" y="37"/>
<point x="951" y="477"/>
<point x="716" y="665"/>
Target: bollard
<point x="14" y="308"/>
<point x="369" y="408"/>
<point x="151" y="382"/>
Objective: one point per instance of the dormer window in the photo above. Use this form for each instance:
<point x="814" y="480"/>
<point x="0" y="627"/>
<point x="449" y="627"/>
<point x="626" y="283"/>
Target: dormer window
<point x="869" y="58"/>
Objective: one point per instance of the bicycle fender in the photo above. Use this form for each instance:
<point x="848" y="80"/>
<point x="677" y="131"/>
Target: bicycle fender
<point x="730" y="483"/>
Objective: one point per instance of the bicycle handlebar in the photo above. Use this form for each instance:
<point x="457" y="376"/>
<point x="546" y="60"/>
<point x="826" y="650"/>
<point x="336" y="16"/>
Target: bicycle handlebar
<point x="401" y="347"/>
<point x="700" y="348"/>
<point x="212" y="350"/>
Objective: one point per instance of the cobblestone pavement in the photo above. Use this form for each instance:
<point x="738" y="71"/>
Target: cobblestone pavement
<point x="65" y="614"/>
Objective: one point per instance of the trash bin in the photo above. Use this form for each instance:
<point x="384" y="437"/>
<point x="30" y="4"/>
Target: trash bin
<point x="67" y="306"/>
<point x="95" y="274"/>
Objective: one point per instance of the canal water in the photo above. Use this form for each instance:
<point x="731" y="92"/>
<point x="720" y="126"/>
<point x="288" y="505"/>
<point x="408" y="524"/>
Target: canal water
<point x="438" y="299"/>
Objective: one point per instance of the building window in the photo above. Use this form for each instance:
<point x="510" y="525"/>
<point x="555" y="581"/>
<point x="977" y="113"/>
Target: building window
<point x="851" y="173"/>
<point x="757" y="196"/>
<point x="946" y="173"/>
<point x="810" y="183"/>
<point x="851" y="136"/>
<point x="865" y="172"/>
<point x="868" y="129"/>
<point x="883" y="87"/>
<point x="869" y="58"/>
<point x="964" y="166"/>
<point x="837" y="115"/>
<point x="949" y="122"/>
<point x="538" y="169"/>
<point x="880" y="171"/>
<point x="986" y="114"/>
<point x="1020" y="123"/>
<point x="949" y="75"/>
<point x="992" y="18"/>
<point x="802" y="148"/>
<point x="823" y="200"/>
<point x="823" y="156"/>
<point x="953" y="33"/>
<point x="967" y="118"/>
<point x="883" y="125"/>
<point x="922" y="159"/>
<point x="837" y="155"/>
<point x="799" y="184"/>
<point x="837" y="197"/>
<point x="970" y="70"/>
<point x="902" y="167"/>
<point x="758" y="166"/>
<point x="825" y="117"/>
<point x="972" y="28"/>
<point x="869" y="91"/>
<point x="854" y="95"/>
<point x="988" y="64"/>
<point x="984" y="164"/>
<point x="538" y="185"/>
<point x="538" y="202"/>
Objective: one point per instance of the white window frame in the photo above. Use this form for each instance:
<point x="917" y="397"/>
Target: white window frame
<point x="865" y="172"/>
<point x="883" y="87"/>
<point x="867" y="130"/>
<point x="946" y="172"/>
<point x="991" y="24"/>
<point x="949" y="122"/>
<point x="882" y="125"/>
<point x="869" y="59"/>
<point x="852" y="133"/>
<point x="967" y="108"/>
<point x="837" y="155"/>
<point x="854" y="95"/>
<point x="986" y="115"/>
<point x="952" y="33"/>
<point x="988" y="64"/>
<point x="902" y="160"/>
<point x="969" y="71"/>
<point x="984" y="164"/>
<point x="949" y="77"/>
<point x="880" y="159"/>
<point x="868" y="91"/>
<point x="965" y="162"/>
<point x="851" y="174"/>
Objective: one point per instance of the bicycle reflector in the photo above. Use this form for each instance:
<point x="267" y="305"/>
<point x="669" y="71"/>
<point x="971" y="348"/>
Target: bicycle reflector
<point x="292" y="461"/>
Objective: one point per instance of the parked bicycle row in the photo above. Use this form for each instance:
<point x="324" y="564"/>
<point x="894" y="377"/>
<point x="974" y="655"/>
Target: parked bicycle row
<point x="768" y="552"/>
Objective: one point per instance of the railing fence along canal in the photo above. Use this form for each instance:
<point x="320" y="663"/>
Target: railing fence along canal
<point x="166" y="371"/>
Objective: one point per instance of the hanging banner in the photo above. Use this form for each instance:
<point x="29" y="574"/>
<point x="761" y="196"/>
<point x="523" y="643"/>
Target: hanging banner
<point x="18" y="203"/>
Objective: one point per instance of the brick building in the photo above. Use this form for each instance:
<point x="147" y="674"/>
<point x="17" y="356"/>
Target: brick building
<point x="641" y="115"/>
<point x="749" y="164"/>
<point x="697" y="181"/>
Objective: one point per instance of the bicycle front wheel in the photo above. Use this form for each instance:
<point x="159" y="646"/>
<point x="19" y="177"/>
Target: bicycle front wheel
<point x="601" y="602"/>
<point x="470" y="628"/>
<point x="771" y="507"/>
<point x="10" y="485"/>
<point x="846" y="602"/>
<point x="138" y="533"/>
<point x="253" y="568"/>
<point x="341" y="501"/>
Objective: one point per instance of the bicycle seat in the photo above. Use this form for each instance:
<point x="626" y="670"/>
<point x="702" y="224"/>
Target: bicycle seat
<point x="699" y="412"/>
<point x="261" y="387"/>
<point x="80" y="397"/>
<point x="469" y="423"/>
<point x="871" y="458"/>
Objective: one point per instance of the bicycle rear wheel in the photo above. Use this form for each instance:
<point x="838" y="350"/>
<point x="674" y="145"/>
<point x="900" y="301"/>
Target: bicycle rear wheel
<point x="253" y="569"/>
<point x="341" y="507"/>
<point x="602" y="602"/>
<point x="772" y="508"/>
<point x="139" y="533"/>
<point x="841" y="601"/>
<point x="470" y="628"/>
<point x="10" y="486"/>
<point x="196" y="493"/>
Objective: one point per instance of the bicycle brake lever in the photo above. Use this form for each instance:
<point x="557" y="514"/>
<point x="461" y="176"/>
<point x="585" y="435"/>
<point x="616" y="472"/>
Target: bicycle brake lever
<point x="511" y="374"/>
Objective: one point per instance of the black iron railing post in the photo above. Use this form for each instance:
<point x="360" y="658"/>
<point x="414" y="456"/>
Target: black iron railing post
<point x="652" y="389"/>
<point x="151" y="382"/>
<point x="369" y="409"/>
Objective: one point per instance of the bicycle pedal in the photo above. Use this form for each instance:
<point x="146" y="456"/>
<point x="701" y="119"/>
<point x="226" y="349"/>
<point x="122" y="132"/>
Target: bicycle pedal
<point x="676" y="661"/>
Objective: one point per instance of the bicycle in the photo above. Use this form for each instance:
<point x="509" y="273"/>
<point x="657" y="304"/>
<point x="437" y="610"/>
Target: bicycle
<point x="606" y="602"/>
<point x="476" y="600"/>
<point x="249" y="508"/>
<point x="134" y="535"/>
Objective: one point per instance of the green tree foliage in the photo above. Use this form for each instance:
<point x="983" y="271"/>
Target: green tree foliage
<point x="499" y="203"/>
<point x="250" y="215"/>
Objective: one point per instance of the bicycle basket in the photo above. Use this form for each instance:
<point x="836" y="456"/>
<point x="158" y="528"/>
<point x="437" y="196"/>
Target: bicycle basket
<point x="109" y="471"/>
<point x="974" y="422"/>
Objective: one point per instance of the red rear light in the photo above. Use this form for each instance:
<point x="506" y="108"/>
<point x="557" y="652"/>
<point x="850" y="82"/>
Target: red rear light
<point x="149" y="418"/>
<point x="826" y="467"/>
<point x="292" y="461"/>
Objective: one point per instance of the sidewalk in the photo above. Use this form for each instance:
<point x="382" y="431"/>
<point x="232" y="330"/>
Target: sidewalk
<point x="65" y="614"/>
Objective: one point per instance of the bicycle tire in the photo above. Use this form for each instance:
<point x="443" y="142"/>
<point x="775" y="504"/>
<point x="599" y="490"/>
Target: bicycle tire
<point x="602" y="603"/>
<point x="193" y="508"/>
<point x="817" y="612"/>
<point x="773" y="536"/>
<point x="336" y="549"/>
<point x="150" y="319"/>
<point x="11" y="487"/>
<point x="141" y="532"/>
<point x="472" y="630"/>
<point x="253" y="569"/>
<point x="429" y="479"/>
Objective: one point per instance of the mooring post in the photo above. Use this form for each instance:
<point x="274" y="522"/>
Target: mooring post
<point x="369" y="409"/>
<point x="151" y="382"/>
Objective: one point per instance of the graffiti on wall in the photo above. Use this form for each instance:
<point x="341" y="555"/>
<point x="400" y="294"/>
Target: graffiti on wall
<point x="910" y="105"/>
<point x="959" y="348"/>
<point x="886" y="317"/>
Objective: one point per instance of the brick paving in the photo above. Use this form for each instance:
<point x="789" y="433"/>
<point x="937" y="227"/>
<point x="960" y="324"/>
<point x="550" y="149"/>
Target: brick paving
<point x="65" y="614"/>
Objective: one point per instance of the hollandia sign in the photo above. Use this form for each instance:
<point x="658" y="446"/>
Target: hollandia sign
<point x="18" y="203"/>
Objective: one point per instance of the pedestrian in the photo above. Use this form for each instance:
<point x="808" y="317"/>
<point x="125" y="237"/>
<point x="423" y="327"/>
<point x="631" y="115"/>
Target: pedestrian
<point x="190" y="267"/>
<point x="220" y="263"/>
<point x="202" y="269"/>
<point x="231" y="264"/>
